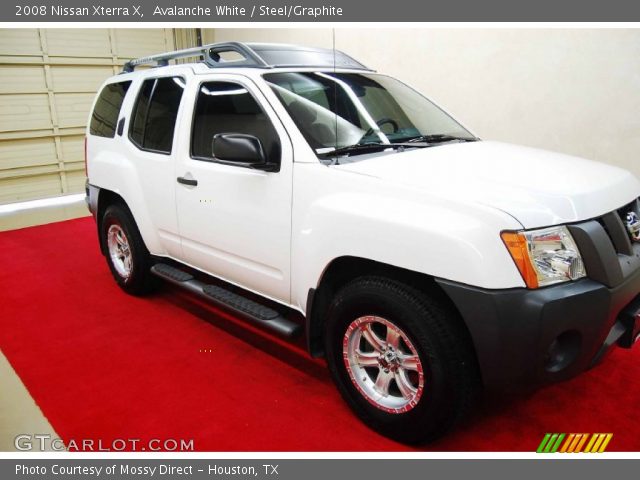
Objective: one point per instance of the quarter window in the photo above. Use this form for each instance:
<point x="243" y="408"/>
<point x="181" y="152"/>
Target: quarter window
<point x="155" y="112"/>
<point x="105" y="114"/>
<point x="226" y="107"/>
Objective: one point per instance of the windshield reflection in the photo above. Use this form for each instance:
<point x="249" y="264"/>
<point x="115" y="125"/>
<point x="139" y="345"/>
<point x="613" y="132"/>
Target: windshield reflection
<point x="334" y="110"/>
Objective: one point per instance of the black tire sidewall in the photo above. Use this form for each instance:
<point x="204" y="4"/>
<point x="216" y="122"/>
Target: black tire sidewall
<point x="117" y="215"/>
<point x="430" y="416"/>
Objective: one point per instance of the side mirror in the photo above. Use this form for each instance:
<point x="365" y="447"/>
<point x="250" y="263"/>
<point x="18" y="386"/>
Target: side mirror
<point x="242" y="150"/>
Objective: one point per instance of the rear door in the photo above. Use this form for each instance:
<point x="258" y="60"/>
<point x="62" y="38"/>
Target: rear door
<point x="151" y="132"/>
<point x="235" y="223"/>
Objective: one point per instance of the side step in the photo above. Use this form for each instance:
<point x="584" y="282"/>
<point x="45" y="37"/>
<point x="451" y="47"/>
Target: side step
<point x="256" y="312"/>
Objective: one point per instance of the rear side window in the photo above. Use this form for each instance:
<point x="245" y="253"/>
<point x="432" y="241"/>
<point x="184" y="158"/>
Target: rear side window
<point x="225" y="107"/>
<point x="155" y="112"/>
<point x="105" y="114"/>
<point x="140" y="112"/>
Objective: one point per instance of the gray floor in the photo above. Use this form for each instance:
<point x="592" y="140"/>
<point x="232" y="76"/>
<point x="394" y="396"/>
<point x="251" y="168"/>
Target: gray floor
<point x="19" y="414"/>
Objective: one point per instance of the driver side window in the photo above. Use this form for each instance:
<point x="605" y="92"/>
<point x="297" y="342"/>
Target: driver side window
<point x="227" y="107"/>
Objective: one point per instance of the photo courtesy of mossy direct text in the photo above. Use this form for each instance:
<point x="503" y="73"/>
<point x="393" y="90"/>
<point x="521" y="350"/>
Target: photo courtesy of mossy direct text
<point x="99" y="470"/>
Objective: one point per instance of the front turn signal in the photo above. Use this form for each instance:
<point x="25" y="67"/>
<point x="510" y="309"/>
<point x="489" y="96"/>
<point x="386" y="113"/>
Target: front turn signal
<point x="517" y="245"/>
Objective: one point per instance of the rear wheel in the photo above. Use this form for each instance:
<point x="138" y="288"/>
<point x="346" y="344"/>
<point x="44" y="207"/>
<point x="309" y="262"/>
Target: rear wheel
<point x="127" y="257"/>
<point x="400" y="358"/>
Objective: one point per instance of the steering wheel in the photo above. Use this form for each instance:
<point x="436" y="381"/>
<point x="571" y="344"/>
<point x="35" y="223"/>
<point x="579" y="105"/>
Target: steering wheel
<point x="380" y="123"/>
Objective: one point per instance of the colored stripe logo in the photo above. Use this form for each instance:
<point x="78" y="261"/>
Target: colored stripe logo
<point x="574" y="443"/>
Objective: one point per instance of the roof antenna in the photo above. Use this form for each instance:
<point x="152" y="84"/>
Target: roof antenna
<point x="335" y="86"/>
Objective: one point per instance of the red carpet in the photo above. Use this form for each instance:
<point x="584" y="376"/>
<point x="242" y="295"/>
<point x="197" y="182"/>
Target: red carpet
<point x="103" y="365"/>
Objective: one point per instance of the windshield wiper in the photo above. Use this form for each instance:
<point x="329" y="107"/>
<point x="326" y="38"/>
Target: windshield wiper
<point x="440" y="137"/>
<point x="371" y="146"/>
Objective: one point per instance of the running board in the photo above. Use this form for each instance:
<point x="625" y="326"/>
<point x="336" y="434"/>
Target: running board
<point x="256" y="312"/>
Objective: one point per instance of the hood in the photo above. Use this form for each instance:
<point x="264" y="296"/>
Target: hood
<point x="537" y="187"/>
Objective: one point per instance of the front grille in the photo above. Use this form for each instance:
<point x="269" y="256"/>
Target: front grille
<point x="609" y="253"/>
<point x="631" y="213"/>
<point x="615" y="225"/>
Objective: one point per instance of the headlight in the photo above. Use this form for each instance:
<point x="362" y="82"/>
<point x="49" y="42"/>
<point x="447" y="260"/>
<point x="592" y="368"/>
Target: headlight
<point x="546" y="256"/>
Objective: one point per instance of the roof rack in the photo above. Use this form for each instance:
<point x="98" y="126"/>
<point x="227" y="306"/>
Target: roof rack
<point x="256" y="55"/>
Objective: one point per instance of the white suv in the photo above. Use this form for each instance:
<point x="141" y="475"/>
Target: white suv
<point x="311" y="195"/>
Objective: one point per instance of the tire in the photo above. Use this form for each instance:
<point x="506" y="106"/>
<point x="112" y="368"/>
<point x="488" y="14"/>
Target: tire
<point x="127" y="256"/>
<point x="430" y="379"/>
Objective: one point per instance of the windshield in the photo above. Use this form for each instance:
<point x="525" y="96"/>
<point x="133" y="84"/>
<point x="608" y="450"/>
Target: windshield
<point x="337" y="110"/>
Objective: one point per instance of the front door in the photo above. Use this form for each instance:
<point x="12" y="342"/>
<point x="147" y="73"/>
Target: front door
<point x="235" y="222"/>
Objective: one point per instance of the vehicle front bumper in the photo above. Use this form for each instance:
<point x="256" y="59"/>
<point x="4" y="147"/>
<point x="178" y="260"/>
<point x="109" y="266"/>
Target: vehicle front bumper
<point x="524" y="338"/>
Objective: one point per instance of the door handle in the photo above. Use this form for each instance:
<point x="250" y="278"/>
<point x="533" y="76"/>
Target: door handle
<point x="188" y="181"/>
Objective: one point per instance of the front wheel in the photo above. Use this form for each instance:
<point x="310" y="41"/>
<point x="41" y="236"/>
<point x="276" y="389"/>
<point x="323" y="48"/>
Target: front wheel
<point x="401" y="359"/>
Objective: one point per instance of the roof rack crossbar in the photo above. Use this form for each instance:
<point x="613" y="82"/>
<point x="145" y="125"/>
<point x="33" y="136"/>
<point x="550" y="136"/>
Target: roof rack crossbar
<point x="211" y="54"/>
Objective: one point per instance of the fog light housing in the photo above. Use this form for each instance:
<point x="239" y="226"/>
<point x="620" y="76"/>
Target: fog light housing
<point x="563" y="351"/>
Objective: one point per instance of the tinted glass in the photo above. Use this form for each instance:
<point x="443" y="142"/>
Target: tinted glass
<point x="156" y="109"/>
<point x="140" y="112"/>
<point x="224" y="107"/>
<point x="105" y="114"/>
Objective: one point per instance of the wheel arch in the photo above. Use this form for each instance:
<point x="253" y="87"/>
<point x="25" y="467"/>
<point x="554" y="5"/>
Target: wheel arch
<point x="105" y="199"/>
<point x="342" y="270"/>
